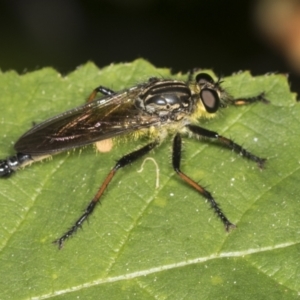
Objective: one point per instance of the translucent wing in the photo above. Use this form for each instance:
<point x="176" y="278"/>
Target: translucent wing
<point x="101" y="119"/>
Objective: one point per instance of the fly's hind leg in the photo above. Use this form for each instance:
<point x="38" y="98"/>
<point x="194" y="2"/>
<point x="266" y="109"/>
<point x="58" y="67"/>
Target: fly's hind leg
<point x="107" y="144"/>
<point x="122" y="162"/>
<point x="100" y="89"/>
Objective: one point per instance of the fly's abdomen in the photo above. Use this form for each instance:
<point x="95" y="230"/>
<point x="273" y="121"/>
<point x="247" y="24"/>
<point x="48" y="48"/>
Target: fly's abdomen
<point x="11" y="164"/>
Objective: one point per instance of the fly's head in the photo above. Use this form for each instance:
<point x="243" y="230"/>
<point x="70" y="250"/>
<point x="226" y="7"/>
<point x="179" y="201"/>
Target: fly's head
<point x="208" y="96"/>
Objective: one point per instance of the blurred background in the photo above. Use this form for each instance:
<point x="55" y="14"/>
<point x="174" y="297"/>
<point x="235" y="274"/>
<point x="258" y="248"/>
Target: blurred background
<point x="227" y="36"/>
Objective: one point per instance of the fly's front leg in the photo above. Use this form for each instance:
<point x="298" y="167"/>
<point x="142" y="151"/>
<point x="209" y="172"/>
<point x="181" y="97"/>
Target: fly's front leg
<point x="244" y="101"/>
<point x="122" y="162"/>
<point x="176" y="158"/>
<point x="229" y="143"/>
<point x="238" y="101"/>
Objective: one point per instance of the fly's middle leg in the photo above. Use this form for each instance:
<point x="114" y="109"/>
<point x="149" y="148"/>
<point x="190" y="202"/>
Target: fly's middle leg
<point x="176" y="158"/>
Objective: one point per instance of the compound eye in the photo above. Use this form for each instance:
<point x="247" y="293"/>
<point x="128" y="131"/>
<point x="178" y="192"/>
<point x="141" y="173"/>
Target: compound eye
<point x="210" y="100"/>
<point x="204" y="78"/>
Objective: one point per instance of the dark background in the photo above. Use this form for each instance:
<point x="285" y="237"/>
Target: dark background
<point x="169" y="33"/>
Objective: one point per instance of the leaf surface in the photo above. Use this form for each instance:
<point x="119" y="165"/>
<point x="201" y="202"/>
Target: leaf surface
<point x="145" y="242"/>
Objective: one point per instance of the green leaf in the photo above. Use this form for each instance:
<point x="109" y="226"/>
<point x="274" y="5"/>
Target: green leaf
<point x="145" y="242"/>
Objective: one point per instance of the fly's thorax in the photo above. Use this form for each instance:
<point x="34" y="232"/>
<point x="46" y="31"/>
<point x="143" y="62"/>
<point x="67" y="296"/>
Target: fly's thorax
<point x="168" y="99"/>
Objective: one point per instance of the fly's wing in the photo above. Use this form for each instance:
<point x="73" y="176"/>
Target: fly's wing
<point x="101" y="119"/>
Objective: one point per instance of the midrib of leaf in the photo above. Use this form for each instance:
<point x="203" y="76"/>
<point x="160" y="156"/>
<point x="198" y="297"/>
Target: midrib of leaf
<point x="162" y="268"/>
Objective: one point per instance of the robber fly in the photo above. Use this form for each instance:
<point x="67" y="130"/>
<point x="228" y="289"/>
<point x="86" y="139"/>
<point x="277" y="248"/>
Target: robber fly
<point x="155" y="108"/>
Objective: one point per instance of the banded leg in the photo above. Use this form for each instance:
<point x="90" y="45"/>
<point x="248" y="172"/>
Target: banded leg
<point x="122" y="162"/>
<point x="244" y="101"/>
<point x="229" y="143"/>
<point x="100" y="89"/>
<point x="176" y="157"/>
